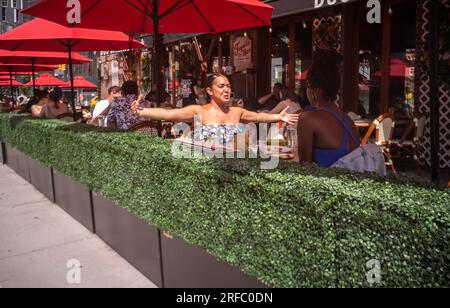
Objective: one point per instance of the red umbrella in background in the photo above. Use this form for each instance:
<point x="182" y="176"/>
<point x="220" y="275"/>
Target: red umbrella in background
<point x="39" y="57"/>
<point x="19" y="68"/>
<point x="79" y="82"/>
<point x="43" y="35"/>
<point x="47" y="80"/>
<point x="303" y="76"/>
<point x="157" y="17"/>
<point x="398" y="69"/>
<point x="4" y="73"/>
<point x="14" y="83"/>
<point x="24" y="68"/>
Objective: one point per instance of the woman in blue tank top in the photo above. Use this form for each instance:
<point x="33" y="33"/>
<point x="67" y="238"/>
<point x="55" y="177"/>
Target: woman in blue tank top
<point x="325" y="134"/>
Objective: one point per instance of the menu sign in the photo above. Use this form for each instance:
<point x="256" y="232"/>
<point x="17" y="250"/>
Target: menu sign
<point x="242" y="53"/>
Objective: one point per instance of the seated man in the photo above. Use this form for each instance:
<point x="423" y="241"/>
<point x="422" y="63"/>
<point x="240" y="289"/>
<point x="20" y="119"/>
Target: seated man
<point x="102" y="107"/>
<point x="287" y="101"/>
<point x="271" y="100"/>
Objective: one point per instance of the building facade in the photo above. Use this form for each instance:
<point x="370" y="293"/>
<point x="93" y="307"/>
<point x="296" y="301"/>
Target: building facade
<point x="10" y="16"/>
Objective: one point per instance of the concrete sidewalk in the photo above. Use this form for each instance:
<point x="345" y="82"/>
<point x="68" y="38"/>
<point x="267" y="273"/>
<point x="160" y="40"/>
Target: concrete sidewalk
<point x="38" y="239"/>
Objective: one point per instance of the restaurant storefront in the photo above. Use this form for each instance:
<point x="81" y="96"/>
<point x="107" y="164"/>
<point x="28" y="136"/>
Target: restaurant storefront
<point x="384" y="67"/>
<point x="383" y="70"/>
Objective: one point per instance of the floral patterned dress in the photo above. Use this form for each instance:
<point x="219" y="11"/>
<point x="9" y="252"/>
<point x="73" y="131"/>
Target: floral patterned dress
<point x="216" y="133"/>
<point x="121" y="113"/>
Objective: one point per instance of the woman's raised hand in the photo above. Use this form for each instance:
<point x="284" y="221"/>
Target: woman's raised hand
<point x="287" y="117"/>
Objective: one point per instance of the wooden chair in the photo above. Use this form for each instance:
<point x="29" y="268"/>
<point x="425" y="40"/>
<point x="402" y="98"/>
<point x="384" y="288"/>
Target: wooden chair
<point x="383" y="127"/>
<point x="409" y="146"/>
<point x="148" y="127"/>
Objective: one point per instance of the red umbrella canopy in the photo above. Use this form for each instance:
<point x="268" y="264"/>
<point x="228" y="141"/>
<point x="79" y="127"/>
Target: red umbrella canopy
<point x="40" y="57"/>
<point x="7" y="83"/>
<point x="4" y="73"/>
<point x="398" y="69"/>
<point x="79" y="82"/>
<point x="47" y="80"/>
<point x="19" y="68"/>
<point x="175" y="16"/>
<point x="303" y="75"/>
<point x="42" y="35"/>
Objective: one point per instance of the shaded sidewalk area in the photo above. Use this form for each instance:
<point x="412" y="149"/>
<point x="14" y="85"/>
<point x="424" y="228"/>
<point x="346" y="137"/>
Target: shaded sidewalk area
<point x="38" y="239"/>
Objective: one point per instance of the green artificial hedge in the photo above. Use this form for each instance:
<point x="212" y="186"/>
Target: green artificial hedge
<point x="297" y="226"/>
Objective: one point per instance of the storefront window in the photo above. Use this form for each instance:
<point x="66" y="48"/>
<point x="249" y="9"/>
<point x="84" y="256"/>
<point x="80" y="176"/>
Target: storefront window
<point x="403" y="43"/>
<point x="370" y="37"/>
<point x="280" y="55"/>
<point x="303" y="58"/>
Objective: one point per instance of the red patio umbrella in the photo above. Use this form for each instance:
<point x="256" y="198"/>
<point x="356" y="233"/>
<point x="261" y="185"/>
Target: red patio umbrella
<point x="303" y="75"/>
<point x="79" y="82"/>
<point x="172" y="16"/>
<point x="157" y="17"/>
<point x="24" y="68"/>
<point x="39" y="57"/>
<point x="4" y="73"/>
<point x="8" y="83"/>
<point x="43" y="35"/>
<point x="47" y="80"/>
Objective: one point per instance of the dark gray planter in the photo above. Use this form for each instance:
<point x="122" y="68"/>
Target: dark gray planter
<point x="22" y="166"/>
<point x="12" y="159"/>
<point x="134" y="239"/>
<point x="74" y="198"/>
<point x="188" y="266"/>
<point x="41" y="178"/>
<point x="3" y="154"/>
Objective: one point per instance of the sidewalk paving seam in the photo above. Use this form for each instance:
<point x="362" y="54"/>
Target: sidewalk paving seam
<point x="48" y="247"/>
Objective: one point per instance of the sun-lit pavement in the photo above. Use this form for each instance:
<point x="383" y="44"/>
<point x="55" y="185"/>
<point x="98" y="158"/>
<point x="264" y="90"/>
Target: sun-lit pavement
<point x="41" y="245"/>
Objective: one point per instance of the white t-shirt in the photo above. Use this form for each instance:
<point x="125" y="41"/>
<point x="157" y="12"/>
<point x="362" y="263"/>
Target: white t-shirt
<point x="100" y="107"/>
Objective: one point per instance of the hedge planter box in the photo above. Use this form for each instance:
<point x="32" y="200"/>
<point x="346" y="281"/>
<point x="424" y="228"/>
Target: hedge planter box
<point x="12" y="159"/>
<point x="41" y="178"/>
<point x="188" y="266"/>
<point x="73" y="198"/>
<point x="22" y="163"/>
<point x="134" y="239"/>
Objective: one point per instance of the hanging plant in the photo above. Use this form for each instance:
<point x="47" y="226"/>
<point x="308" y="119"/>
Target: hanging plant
<point x="327" y="34"/>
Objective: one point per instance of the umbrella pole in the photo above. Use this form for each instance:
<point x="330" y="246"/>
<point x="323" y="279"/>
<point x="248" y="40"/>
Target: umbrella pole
<point x="156" y="45"/>
<point x="33" y="60"/>
<point x="433" y="41"/>
<point x="72" y="90"/>
<point x="11" y="83"/>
